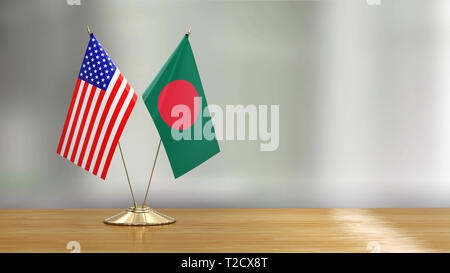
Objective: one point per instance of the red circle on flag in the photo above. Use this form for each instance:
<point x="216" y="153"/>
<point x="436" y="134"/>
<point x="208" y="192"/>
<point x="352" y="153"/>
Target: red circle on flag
<point x="178" y="93"/>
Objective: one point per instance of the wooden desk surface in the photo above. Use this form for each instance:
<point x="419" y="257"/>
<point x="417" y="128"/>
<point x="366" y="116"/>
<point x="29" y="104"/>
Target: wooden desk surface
<point x="231" y="230"/>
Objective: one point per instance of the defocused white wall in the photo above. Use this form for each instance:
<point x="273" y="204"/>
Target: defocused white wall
<point x="363" y="95"/>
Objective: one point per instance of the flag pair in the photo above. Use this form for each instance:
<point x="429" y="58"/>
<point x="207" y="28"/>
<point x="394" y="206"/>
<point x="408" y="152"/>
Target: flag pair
<point x="103" y="100"/>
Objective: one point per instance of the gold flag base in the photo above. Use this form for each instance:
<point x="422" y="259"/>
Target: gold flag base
<point x="139" y="216"/>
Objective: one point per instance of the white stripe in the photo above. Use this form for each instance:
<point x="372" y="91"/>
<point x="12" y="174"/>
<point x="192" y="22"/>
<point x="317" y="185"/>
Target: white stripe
<point x="72" y="116"/>
<point x="99" y="115"/>
<point x="86" y="124"/>
<point x="107" y="121"/>
<point x="80" y="117"/>
<point x="114" y="130"/>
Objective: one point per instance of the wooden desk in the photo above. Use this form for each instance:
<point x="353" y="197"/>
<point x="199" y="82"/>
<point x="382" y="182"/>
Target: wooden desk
<point x="231" y="230"/>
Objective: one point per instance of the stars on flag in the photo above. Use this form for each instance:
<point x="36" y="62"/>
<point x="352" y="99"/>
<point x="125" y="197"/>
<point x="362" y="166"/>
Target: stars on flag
<point x="97" y="68"/>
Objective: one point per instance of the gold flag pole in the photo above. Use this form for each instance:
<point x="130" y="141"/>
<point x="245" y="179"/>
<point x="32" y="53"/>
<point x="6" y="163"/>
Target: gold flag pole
<point x="133" y="215"/>
<point x="120" y="148"/>
<point x="128" y="177"/>
<point x="141" y="216"/>
<point x="157" y="152"/>
<point x="151" y="175"/>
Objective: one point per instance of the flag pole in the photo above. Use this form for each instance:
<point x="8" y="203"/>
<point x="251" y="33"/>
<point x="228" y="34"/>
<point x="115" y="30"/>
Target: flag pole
<point x="157" y="152"/>
<point x="141" y="216"/>
<point x="120" y="148"/>
<point x="128" y="178"/>
<point x="151" y="175"/>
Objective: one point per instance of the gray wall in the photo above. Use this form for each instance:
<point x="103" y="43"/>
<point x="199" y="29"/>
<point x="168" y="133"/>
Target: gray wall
<point x="363" y="92"/>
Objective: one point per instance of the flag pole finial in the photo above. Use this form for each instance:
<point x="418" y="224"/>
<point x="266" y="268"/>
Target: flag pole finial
<point x="189" y="32"/>
<point x="89" y="30"/>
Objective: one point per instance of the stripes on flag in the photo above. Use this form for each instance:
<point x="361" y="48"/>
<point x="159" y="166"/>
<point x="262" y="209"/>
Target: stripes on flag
<point x="95" y="122"/>
<point x="96" y="117"/>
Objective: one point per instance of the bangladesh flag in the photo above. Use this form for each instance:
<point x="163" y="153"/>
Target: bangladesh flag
<point x="177" y="104"/>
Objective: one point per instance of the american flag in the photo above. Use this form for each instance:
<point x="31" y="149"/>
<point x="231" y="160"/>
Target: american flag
<point x="101" y="104"/>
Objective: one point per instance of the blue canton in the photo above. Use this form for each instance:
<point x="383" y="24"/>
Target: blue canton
<point x="97" y="68"/>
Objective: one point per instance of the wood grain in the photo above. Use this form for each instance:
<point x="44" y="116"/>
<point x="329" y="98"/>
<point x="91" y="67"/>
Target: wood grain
<point x="231" y="230"/>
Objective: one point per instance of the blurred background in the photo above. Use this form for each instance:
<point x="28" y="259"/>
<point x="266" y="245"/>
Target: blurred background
<point x="363" y="88"/>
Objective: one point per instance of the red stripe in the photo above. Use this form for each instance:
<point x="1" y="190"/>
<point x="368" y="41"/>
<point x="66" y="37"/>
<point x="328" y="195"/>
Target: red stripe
<point x="91" y="123"/>
<point x="110" y="127"/>
<point x="75" y="120"/>
<point x="102" y="120"/>
<point x="83" y="121"/>
<point x="74" y="97"/>
<point x="117" y="136"/>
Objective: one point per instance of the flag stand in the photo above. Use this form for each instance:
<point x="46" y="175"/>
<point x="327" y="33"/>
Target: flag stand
<point x="139" y="216"/>
<point x="143" y="215"/>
